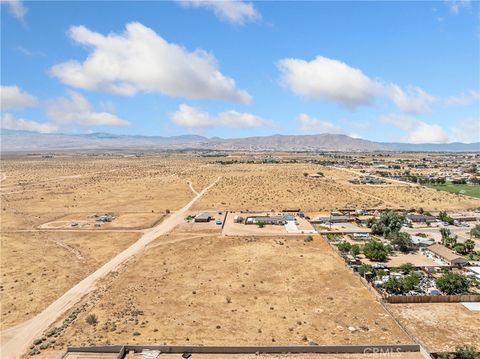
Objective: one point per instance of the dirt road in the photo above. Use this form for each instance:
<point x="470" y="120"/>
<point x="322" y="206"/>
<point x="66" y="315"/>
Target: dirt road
<point x="16" y="340"/>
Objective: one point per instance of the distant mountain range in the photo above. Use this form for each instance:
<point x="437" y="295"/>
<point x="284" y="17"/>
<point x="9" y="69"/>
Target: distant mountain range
<point x="14" y="140"/>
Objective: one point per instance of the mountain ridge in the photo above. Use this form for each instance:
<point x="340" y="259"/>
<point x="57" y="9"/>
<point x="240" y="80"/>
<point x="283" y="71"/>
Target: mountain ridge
<point x="18" y="140"/>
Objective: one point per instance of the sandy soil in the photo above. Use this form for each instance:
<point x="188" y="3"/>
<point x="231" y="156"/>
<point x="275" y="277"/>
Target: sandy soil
<point x="36" y="190"/>
<point x="16" y="340"/>
<point x="440" y="326"/>
<point x="38" y="267"/>
<point x="281" y="186"/>
<point x="141" y="220"/>
<point x="214" y="290"/>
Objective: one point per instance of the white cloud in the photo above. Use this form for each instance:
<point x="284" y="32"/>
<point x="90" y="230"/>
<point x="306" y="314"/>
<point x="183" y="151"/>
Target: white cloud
<point x="12" y="97"/>
<point x="310" y="124"/>
<point x="332" y="80"/>
<point x="141" y="60"/>
<point x="415" y="101"/>
<point x="10" y="122"/>
<point x="416" y="131"/>
<point x="467" y="130"/>
<point x="328" y="79"/>
<point x="235" y="11"/>
<point x="464" y="99"/>
<point x="16" y="8"/>
<point x="77" y="109"/>
<point x="191" y="117"/>
<point x="456" y="5"/>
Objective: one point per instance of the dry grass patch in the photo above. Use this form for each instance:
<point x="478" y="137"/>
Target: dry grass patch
<point x="38" y="267"/>
<point x="211" y="290"/>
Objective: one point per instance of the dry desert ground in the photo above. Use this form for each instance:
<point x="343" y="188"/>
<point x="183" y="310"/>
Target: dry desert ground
<point x="213" y="290"/>
<point x="440" y="326"/>
<point x="192" y="285"/>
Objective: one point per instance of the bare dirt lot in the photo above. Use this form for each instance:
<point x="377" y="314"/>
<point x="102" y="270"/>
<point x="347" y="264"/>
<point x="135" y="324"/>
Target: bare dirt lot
<point x="440" y="326"/>
<point x="222" y="290"/>
<point x="269" y="187"/>
<point x="37" y="267"/>
<point x="141" y="220"/>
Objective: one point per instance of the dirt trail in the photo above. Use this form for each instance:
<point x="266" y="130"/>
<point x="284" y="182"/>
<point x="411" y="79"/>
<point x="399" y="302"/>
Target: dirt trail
<point x="70" y="249"/>
<point x="16" y="340"/>
<point x="191" y="187"/>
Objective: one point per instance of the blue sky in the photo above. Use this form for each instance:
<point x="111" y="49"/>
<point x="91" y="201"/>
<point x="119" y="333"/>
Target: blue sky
<point x="383" y="71"/>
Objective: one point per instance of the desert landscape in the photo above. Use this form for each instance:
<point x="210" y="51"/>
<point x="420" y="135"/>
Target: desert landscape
<point x="194" y="283"/>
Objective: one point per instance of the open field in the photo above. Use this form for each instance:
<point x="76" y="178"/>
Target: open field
<point x="139" y="220"/>
<point x="38" y="267"/>
<point x="465" y="189"/>
<point x="283" y="186"/>
<point x="440" y="326"/>
<point x="213" y="290"/>
<point x="195" y="285"/>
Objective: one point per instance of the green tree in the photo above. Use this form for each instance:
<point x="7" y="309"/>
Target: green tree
<point x="467" y="352"/>
<point x="344" y="247"/>
<point x="376" y="251"/>
<point x="460" y="248"/>
<point x="402" y="241"/>
<point x="444" y="217"/>
<point x="407" y="268"/>
<point x="393" y="286"/>
<point x="447" y="239"/>
<point x="469" y="245"/>
<point x="475" y="231"/>
<point x="355" y="250"/>
<point x="389" y="223"/>
<point x="365" y="268"/>
<point x="453" y="283"/>
<point x="402" y="285"/>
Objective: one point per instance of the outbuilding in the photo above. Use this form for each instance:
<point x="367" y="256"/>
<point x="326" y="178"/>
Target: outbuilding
<point x="203" y="217"/>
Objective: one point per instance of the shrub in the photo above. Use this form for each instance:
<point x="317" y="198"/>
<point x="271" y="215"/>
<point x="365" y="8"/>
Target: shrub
<point x="344" y="247"/>
<point x="91" y="319"/>
<point x="364" y="268"/>
<point x="407" y="268"/>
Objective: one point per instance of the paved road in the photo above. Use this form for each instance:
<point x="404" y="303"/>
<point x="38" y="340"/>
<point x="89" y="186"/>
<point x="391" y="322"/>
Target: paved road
<point x="16" y="340"/>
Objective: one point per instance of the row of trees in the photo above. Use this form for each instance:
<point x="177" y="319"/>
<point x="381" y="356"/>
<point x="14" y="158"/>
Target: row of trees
<point x="450" y="283"/>
<point x="373" y="250"/>
<point x="450" y="241"/>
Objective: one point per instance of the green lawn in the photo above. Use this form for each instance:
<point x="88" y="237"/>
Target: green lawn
<point x="466" y="189"/>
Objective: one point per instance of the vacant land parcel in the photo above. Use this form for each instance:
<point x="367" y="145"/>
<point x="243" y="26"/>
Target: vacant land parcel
<point x="214" y="290"/>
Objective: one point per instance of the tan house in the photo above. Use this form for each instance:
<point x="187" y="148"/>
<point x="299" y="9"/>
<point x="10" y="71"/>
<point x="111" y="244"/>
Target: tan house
<point x="447" y="255"/>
